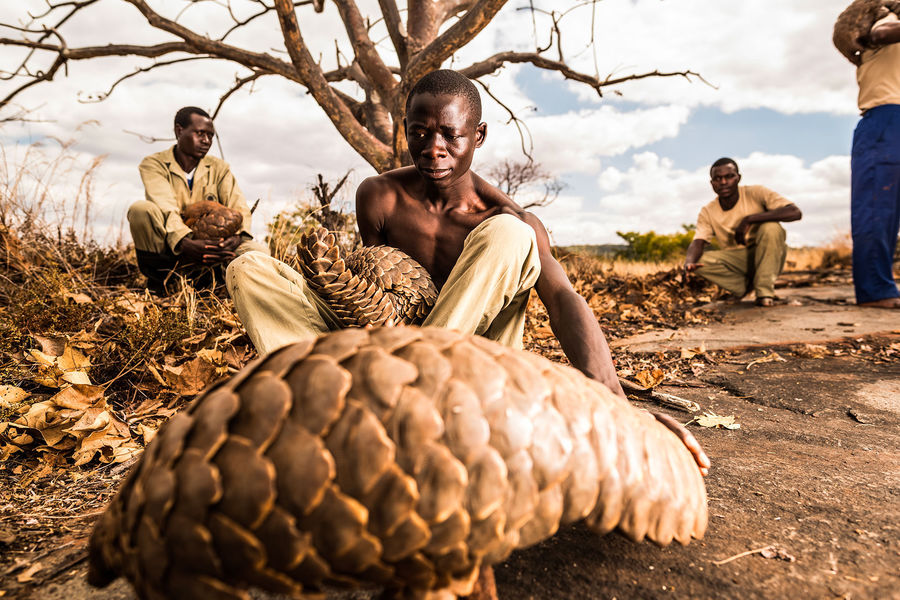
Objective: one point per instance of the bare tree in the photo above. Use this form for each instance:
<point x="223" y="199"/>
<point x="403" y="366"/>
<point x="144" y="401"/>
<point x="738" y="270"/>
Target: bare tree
<point x="515" y="178"/>
<point x="369" y="116"/>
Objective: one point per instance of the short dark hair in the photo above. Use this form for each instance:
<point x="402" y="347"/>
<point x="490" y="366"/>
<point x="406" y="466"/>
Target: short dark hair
<point x="453" y="83"/>
<point x="183" y="116"/>
<point x="724" y="161"/>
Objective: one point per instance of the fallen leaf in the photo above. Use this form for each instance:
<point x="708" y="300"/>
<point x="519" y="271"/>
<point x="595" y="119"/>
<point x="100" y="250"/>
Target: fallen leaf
<point x="812" y="351"/>
<point x="710" y="419"/>
<point x="650" y="378"/>
<point x="79" y="298"/>
<point x="191" y="377"/>
<point x="11" y="395"/>
<point x="772" y="357"/>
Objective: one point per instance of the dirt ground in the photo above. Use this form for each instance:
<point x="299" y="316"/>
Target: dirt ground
<point x="804" y="497"/>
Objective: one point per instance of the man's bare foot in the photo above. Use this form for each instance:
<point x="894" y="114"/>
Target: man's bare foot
<point x="765" y="301"/>
<point x="883" y="303"/>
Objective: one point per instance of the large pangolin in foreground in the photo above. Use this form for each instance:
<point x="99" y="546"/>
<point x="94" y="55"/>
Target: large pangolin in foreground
<point x="397" y="457"/>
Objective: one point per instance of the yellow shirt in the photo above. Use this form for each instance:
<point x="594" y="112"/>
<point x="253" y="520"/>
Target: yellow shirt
<point x="718" y="223"/>
<point x="166" y="185"/>
<point x="879" y="74"/>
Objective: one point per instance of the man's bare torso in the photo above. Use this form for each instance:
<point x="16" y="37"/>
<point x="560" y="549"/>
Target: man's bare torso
<point x="400" y="214"/>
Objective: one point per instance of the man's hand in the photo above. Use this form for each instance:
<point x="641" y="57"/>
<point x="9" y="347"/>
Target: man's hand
<point x="688" y="439"/>
<point x="740" y="232"/>
<point x="692" y="266"/>
<point x="205" y="252"/>
<point x="230" y="244"/>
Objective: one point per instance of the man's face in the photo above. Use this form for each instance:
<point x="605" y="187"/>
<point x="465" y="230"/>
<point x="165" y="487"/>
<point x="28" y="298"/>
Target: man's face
<point x="724" y="180"/>
<point x="195" y="139"/>
<point x="442" y="137"/>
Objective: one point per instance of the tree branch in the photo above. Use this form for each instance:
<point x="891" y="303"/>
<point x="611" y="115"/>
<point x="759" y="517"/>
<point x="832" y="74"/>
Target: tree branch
<point x="515" y="120"/>
<point x="364" y="50"/>
<point x="495" y="62"/>
<point x="104" y="95"/>
<point x="238" y="84"/>
<point x="395" y="29"/>
<point x="458" y="35"/>
<point x="367" y="145"/>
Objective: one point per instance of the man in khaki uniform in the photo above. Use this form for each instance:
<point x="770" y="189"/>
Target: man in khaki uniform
<point x="744" y="221"/>
<point x="483" y="252"/>
<point x="174" y="179"/>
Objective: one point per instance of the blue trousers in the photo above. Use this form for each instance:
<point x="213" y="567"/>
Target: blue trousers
<point x="875" y="202"/>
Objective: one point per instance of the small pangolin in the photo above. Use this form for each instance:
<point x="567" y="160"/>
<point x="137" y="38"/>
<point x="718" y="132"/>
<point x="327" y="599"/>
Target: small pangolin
<point x="851" y="29"/>
<point x="210" y="220"/>
<point x="400" y="457"/>
<point x="372" y="286"/>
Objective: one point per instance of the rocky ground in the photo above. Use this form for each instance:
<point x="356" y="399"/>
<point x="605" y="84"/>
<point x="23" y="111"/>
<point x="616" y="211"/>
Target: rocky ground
<point x="804" y="496"/>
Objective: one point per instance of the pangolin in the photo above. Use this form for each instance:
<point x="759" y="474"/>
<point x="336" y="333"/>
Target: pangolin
<point x="210" y="220"/>
<point x="401" y="457"/>
<point x="374" y="285"/>
<point x="851" y="30"/>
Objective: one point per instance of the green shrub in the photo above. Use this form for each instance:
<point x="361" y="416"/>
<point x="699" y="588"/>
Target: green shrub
<point x="656" y="247"/>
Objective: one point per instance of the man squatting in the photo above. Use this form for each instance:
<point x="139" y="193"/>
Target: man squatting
<point x="483" y="252"/>
<point x="744" y="220"/>
<point x="173" y="180"/>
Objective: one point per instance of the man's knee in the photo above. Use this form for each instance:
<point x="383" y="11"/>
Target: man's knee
<point x="770" y="231"/>
<point x="509" y="233"/>
<point x="141" y="213"/>
<point x="246" y="266"/>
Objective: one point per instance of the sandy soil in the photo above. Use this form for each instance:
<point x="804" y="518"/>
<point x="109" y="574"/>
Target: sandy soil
<point x="804" y="497"/>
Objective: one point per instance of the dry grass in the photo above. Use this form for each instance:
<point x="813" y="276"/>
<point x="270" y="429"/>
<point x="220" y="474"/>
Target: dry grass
<point x="835" y="254"/>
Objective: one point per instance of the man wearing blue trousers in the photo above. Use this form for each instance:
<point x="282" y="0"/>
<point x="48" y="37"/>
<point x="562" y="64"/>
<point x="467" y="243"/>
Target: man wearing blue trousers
<point x="875" y="167"/>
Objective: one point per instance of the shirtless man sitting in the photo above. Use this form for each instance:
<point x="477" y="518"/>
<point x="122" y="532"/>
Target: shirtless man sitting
<point x="483" y="251"/>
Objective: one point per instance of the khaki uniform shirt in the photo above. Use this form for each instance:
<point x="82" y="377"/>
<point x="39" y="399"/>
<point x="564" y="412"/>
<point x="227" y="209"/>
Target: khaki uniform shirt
<point x="879" y="74"/>
<point x="166" y="185"/>
<point x="718" y="223"/>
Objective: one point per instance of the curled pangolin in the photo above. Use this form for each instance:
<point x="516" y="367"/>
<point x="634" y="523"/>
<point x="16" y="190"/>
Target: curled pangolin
<point x="374" y="285"/>
<point x="210" y="220"/>
<point x="853" y="25"/>
<point x="402" y="457"/>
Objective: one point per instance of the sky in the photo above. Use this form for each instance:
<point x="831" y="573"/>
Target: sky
<point x="775" y="95"/>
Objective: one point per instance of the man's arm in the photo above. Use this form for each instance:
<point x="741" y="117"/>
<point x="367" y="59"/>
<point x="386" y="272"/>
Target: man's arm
<point x="370" y="196"/>
<point x="784" y="214"/>
<point x="693" y="254"/>
<point x="571" y="319"/>
<point x="885" y="33"/>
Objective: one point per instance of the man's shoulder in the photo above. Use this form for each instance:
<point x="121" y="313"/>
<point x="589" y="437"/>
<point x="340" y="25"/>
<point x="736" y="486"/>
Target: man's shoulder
<point x="214" y="162"/>
<point x="163" y="157"/>
<point x="756" y="189"/>
<point x="389" y="184"/>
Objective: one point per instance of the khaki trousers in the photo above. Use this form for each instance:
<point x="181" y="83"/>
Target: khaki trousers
<point x="757" y="265"/>
<point x="486" y="293"/>
<point x="148" y="230"/>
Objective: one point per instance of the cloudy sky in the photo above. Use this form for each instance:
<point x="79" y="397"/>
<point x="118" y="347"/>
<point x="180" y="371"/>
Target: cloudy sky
<point x="779" y="99"/>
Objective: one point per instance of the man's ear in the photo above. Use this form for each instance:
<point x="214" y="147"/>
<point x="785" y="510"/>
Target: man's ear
<point x="480" y="134"/>
<point x="178" y="130"/>
<point x="739" y="178"/>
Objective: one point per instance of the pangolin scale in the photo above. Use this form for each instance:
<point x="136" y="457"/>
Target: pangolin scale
<point x="400" y="457"/>
<point x="211" y="220"/>
<point x="374" y="285"/>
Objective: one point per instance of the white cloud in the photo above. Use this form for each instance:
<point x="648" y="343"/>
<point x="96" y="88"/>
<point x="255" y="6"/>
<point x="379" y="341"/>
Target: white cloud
<point x="654" y="195"/>
<point x="575" y="142"/>
<point x="767" y="53"/>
